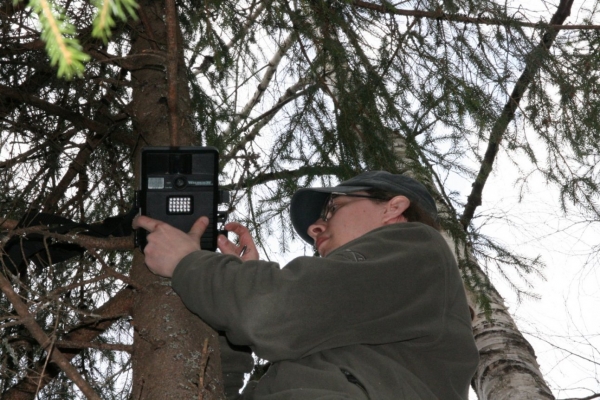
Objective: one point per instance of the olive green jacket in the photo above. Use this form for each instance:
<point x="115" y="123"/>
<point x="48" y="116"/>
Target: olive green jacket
<point x="383" y="317"/>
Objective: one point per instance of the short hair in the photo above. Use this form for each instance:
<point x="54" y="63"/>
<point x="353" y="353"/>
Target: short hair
<point x="414" y="212"/>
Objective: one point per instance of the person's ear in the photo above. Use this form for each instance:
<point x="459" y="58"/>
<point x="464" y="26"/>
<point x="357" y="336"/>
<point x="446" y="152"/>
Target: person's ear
<point x="394" y="209"/>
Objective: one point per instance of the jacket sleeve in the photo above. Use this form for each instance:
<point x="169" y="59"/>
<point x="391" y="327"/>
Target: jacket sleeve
<point x="387" y="286"/>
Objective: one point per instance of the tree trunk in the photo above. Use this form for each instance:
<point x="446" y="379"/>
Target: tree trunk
<point x="507" y="367"/>
<point x="176" y="355"/>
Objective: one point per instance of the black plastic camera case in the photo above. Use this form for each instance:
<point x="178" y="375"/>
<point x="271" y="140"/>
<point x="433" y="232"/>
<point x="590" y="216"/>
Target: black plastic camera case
<point x="178" y="186"/>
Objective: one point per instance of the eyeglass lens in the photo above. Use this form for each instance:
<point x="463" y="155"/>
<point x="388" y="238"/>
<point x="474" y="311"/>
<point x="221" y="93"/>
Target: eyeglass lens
<point x="326" y="212"/>
<point x="330" y="207"/>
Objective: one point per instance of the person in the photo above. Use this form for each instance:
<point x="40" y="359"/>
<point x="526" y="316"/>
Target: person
<point x="381" y="314"/>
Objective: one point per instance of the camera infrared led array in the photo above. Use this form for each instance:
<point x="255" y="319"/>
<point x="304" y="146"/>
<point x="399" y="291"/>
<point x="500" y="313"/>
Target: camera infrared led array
<point x="180" y="205"/>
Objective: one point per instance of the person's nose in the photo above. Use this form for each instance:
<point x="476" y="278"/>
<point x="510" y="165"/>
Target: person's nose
<point x="316" y="228"/>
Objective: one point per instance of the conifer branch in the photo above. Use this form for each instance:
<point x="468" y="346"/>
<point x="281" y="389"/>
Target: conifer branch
<point x="32" y="84"/>
<point x="83" y="240"/>
<point x="439" y="15"/>
<point x="108" y="9"/>
<point x="45" y="342"/>
<point x="288" y="174"/>
<point x="103" y="22"/>
<point x="62" y="49"/>
<point x="533" y="63"/>
<point x="77" y="119"/>
<point x="113" y="310"/>
<point x="62" y="46"/>
<point x="208" y="60"/>
<point x="55" y="32"/>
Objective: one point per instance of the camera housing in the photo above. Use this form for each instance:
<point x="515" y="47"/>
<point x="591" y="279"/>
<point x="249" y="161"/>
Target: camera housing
<point x="178" y="186"/>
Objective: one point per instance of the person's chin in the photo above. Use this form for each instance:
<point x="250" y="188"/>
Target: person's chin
<point x="322" y="248"/>
<point x="324" y="251"/>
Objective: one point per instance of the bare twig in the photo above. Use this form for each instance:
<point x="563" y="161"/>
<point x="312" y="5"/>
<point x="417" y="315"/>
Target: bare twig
<point x="388" y="8"/>
<point x="21" y="157"/>
<point x="76" y="167"/>
<point x="8" y="223"/>
<point x="63" y="289"/>
<point x="40" y="381"/>
<point x="290" y="94"/>
<point x="111" y="271"/>
<point x="288" y="174"/>
<point x="110" y="312"/>
<point x="45" y="342"/>
<point x="147" y="27"/>
<point x="251" y="20"/>
<point x="208" y="60"/>
<point x="77" y="119"/>
<point x="264" y="83"/>
<point x="203" y="363"/>
<point x="593" y="396"/>
<point x="71" y="344"/>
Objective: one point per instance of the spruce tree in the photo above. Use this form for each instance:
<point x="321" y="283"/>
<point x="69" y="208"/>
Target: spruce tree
<point x="292" y="94"/>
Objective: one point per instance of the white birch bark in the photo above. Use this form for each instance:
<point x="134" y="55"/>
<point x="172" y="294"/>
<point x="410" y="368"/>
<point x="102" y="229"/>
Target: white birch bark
<point x="507" y="368"/>
<point x="264" y="83"/>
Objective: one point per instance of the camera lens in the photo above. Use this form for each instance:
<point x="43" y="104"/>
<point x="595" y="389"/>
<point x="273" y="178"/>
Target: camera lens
<point x="179" y="182"/>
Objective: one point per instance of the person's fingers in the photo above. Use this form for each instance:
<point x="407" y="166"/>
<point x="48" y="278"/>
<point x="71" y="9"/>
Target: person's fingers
<point x="245" y="238"/>
<point x="147" y="223"/>
<point x="167" y="246"/>
<point x="198" y="228"/>
<point x="237" y="228"/>
<point x="246" y="249"/>
<point x="227" y="246"/>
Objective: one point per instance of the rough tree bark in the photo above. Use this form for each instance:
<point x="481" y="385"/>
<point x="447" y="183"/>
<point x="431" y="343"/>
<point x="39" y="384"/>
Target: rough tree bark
<point x="168" y="339"/>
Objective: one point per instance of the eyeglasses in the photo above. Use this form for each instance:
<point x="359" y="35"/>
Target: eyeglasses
<point x="330" y="207"/>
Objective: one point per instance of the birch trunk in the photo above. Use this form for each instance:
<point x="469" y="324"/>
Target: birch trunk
<point x="507" y="367"/>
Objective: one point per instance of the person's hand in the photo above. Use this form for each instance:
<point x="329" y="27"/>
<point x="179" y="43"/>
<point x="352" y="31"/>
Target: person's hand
<point x="245" y="240"/>
<point x="168" y="245"/>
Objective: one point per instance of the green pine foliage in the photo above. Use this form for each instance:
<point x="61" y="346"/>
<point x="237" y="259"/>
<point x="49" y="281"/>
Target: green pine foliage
<point x="104" y="20"/>
<point x="64" y="50"/>
<point x="62" y="45"/>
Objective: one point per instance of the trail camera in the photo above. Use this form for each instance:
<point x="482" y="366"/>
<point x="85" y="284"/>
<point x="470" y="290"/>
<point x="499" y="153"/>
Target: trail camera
<point x="178" y="186"/>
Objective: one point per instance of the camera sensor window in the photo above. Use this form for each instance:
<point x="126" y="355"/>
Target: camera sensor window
<point x="156" y="183"/>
